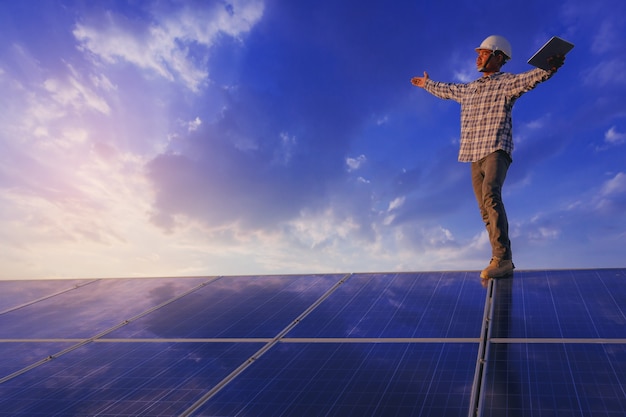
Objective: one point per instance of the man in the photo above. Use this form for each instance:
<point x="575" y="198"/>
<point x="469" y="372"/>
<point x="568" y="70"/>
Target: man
<point x="486" y="135"/>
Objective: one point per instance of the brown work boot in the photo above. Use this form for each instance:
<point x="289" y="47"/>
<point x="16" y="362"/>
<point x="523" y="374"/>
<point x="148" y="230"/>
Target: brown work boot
<point x="498" y="268"/>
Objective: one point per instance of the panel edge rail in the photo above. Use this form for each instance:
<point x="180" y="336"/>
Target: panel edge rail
<point x="476" y="403"/>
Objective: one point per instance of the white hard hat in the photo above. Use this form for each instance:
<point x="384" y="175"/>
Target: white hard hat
<point x="496" y="43"/>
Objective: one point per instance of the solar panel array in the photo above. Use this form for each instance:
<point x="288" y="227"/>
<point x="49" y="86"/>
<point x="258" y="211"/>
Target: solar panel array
<point x="542" y="343"/>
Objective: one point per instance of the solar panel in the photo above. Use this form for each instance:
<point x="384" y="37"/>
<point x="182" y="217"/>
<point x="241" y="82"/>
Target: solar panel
<point x="569" y="379"/>
<point x="122" y="379"/>
<point x="16" y="296"/>
<point x="571" y="304"/>
<point x="233" y="307"/>
<point x="403" y="344"/>
<point x="448" y="304"/>
<point x="558" y="345"/>
<point x="85" y="311"/>
<point x="352" y="379"/>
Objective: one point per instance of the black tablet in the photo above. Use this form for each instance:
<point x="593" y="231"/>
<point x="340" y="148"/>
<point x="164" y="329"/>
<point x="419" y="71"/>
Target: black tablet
<point x="555" y="46"/>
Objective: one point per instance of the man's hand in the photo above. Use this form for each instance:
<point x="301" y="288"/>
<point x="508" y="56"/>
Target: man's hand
<point x="419" y="81"/>
<point x="556" y="61"/>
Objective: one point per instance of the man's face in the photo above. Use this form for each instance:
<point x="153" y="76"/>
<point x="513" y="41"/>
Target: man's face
<point x="484" y="64"/>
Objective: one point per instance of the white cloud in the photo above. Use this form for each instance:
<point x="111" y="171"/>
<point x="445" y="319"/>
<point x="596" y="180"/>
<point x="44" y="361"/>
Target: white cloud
<point x="609" y="72"/>
<point x="438" y="236"/>
<point x="544" y="233"/>
<point x="166" y="47"/>
<point x="284" y="152"/>
<point x="465" y="76"/>
<point x="193" y="125"/>
<point x="382" y="120"/>
<point x="393" y="205"/>
<point x="527" y="130"/>
<point x="614" y="186"/>
<point x="355" y="163"/>
<point x="396" y="203"/>
<point x="613" y="137"/>
<point x="467" y="73"/>
<point x="537" y="123"/>
<point x="72" y="93"/>
<point x="607" y="38"/>
<point x="389" y="219"/>
<point x="102" y="82"/>
<point x="83" y="219"/>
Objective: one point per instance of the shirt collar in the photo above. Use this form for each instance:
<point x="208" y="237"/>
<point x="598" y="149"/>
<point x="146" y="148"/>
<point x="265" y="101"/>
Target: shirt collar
<point x="489" y="77"/>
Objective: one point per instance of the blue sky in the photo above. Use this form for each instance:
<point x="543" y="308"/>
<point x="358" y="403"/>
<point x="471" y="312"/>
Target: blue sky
<point x="176" y="138"/>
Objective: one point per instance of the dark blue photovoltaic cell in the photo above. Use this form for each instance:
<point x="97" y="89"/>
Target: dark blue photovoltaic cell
<point x="122" y="379"/>
<point x="574" y="380"/>
<point x="435" y="305"/>
<point x="88" y="310"/>
<point x="71" y="311"/>
<point x="356" y="379"/>
<point x="18" y="355"/>
<point x="234" y="307"/>
<point x="568" y="304"/>
<point x="17" y="293"/>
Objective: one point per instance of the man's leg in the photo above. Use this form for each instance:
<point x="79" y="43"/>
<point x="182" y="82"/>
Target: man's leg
<point x="488" y="176"/>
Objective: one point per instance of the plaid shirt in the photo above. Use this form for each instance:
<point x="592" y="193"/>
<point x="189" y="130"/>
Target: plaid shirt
<point x="486" y="105"/>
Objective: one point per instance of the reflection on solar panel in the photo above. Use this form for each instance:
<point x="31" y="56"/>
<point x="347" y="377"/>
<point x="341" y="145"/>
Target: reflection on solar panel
<point x="543" y="343"/>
